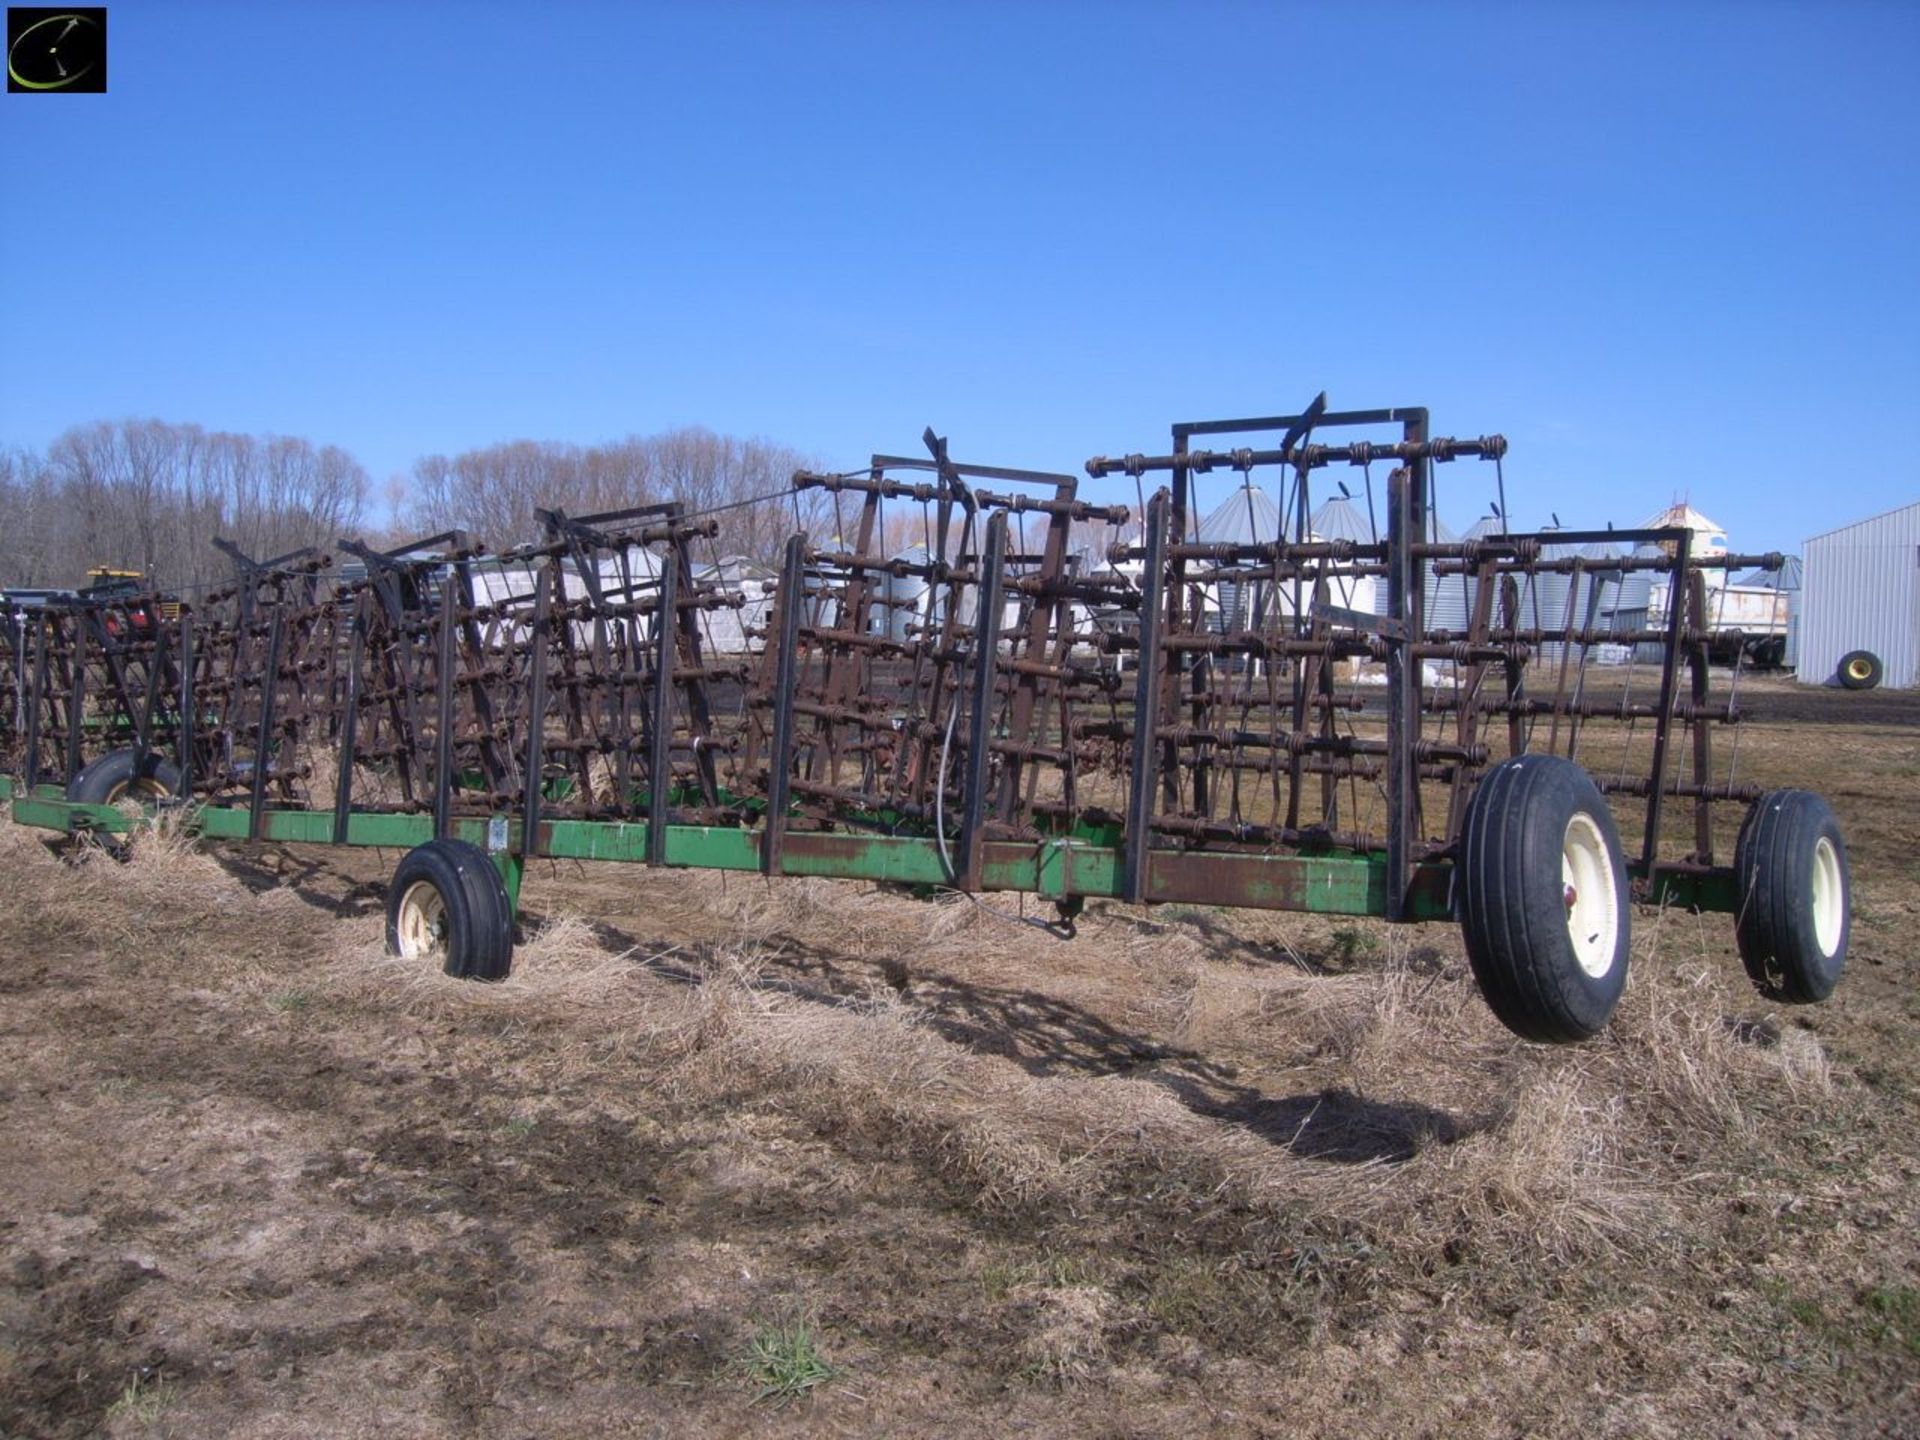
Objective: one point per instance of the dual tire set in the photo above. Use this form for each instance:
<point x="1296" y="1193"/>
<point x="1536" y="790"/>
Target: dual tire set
<point x="1542" y="894"/>
<point x="1546" y="906"/>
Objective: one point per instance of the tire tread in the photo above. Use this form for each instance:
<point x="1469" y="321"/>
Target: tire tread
<point x="1510" y="896"/>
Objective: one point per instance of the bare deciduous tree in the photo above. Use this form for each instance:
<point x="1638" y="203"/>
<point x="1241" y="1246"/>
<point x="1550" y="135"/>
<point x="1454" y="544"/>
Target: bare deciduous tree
<point x="492" y="492"/>
<point x="151" y="496"/>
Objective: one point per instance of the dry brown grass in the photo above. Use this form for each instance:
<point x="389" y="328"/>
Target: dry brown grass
<point x="1557" y="1159"/>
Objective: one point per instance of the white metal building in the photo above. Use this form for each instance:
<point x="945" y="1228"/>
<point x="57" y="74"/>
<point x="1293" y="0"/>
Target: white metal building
<point x="1860" y="590"/>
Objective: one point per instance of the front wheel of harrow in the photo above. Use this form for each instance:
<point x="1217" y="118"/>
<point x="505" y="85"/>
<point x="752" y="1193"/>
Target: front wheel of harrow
<point x="448" y="904"/>
<point x="1544" y="900"/>
<point x="124" y="775"/>
<point x="1796" y="897"/>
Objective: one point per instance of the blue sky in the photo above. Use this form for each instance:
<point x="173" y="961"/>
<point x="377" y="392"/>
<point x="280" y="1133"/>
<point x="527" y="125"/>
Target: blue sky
<point x="1665" y="249"/>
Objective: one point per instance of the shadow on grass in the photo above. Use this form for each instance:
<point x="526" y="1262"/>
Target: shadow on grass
<point x="312" y="879"/>
<point x="1047" y="1036"/>
<point x="1043" y="1034"/>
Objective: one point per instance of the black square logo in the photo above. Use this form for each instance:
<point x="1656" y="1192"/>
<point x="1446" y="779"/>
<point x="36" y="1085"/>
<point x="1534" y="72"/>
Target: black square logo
<point x="53" y="50"/>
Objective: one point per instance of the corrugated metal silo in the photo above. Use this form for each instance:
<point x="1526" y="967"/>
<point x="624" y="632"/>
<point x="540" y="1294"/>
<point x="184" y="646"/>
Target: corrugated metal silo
<point x="1450" y="597"/>
<point x="1340" y="519"/>
<point x="1543" y="598"/>
<point x="1246" y="517"/>
<point x="1636" y="609"/>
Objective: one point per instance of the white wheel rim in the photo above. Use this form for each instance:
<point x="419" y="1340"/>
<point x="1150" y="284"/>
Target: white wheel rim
<point x="1829" y="896"/>
<point x="422" y="922"/>
<point x="1593" y="902"/>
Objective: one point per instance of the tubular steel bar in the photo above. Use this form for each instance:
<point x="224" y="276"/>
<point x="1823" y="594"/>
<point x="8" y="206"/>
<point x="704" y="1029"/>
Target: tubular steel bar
<point x="34" y="701"/>
<point x="443" y="728"/>
<point x="349" y="726"/>
<point x="183" y="753"/>
<point x="660" y="757"/>
<point x="76" y="707"/>
<point x="986" y="647"/>
<point x="791" y="598"/>
<point x="1146" y="703"/>
<point x="535" y="775"/>
<point x="264" y="737"/>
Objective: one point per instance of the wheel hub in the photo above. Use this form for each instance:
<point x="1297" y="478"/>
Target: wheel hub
<point x="1587" y="889"/>
<point x="421" y="926"/>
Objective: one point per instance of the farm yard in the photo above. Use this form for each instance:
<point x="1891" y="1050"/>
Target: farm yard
<point x="729" y="1156"/>
<point x="832" y="720"/>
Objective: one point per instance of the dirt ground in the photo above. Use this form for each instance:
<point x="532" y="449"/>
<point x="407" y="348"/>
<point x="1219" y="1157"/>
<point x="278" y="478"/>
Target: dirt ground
<point x="1193" y="1172"/>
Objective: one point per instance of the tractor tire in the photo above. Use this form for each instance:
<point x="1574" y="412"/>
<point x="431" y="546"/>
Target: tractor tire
<point x="1861" y="670"/>
<point x="1543" y="899"/>
<point x="1796" y="897"/>
<point x="448" y="903"/>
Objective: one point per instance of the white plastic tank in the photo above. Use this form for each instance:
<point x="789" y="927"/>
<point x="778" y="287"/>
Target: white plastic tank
<point x="906" y="613"/>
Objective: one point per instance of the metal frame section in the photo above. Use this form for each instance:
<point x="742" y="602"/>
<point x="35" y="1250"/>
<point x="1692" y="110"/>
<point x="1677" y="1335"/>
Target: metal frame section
<point x="84" y="674"/>
<point x="1263" y="739"/>
<point x="1060" y="869"/>
<point x="1280" y="720"/>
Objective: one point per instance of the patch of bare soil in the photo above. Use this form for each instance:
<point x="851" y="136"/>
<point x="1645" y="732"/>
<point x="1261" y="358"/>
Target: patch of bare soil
<point x="1195" y="1171"/>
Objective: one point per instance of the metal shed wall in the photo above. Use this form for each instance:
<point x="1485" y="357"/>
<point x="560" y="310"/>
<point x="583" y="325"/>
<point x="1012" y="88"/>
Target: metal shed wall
<point x="1860" y="590"/>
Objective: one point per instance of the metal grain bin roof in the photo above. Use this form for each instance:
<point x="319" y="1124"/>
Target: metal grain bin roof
<point x="1246" y="517"/>
<point x="1788" y="578"/>
<point x="1340" y="519"/>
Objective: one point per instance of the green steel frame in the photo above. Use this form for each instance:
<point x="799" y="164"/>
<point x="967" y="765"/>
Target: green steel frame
<point x="1066" y="871"/>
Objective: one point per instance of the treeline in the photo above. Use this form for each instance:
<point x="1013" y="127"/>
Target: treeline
<point x="492" y="493"/>
<point x="150" y="496"/>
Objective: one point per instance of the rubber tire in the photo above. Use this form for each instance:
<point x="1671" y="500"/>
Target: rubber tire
<point x="1512" y="900"/>
<point x="479" y="915"/>
<point x="117" y="769"/>
<point x="1773" y="863"/>
<point x="1872" y="671"/>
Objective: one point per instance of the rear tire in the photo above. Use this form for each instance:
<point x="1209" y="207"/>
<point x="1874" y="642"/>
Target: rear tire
<point x="124" y="775"/>
<point x="1861" y="670"/>
<point x="1796" y="897"/>
<point x="1544" y="902"/>
<point x="448" y="903"/>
